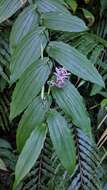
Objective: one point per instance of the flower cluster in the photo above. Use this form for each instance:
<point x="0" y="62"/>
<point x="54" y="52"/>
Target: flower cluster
<point x="61" y="74"/>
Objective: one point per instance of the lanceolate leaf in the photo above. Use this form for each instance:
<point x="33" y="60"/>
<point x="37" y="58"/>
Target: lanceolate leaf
<point x="62" y="140"/>
<point x="33" y="116"/>
<point x="69" y="99"/>
<point x="29" y="85"/>
<point x="63" y="22"/>
<point x="50" y="6"/>
<point x="27" y="51"/>
<point x="74" y="61"/>
<point x="8" y="8"/>
<point x="25" y="22"/>
<point x="30" y="153"/>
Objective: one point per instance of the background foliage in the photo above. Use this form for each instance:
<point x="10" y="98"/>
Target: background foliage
<point x="53" y="97"/>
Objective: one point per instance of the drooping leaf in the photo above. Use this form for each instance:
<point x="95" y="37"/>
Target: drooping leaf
<point x="74" y="61"/>
<point x="30" y="153"/>
<point x="50" y="6"/>
<point x="24" y="23"/>
<point x="29" y="85"/>
<point x="63" y="22"/>
<point x="8" y="8"/>
<point x="69" y="99"/>
<point x="62" y="140"/>
<point x="27" y="51"/>
<point x="33" y="116"/>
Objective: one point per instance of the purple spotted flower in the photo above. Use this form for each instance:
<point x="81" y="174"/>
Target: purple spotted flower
<point x="61" y="74"/>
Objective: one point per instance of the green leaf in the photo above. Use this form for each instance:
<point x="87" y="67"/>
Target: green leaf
<point x="95" y="90"/>
<point x="63" y="22"/>
<point x="71" y="102"/>
<point x="5" y="77"/>
<point x="4" y="144"/>
<point x="24" y="23"/>
<point x="85" y="175"/>
<point x="62" y="140"/>
<point x="8" y="8"/>
<point x="89" y="16"/>
<point x="30" y="153"/>
<point x="73" y="4"/>
<point x="33" y="116"/>
<point x="27" y="51"/>
<point x="103" y="103"/>
<point x="74" y="61"/>
<point x="29" y="85"/>
<point x="50" y="6"/>
<point x="103" y="5"/>
<point x="2" y="165"/>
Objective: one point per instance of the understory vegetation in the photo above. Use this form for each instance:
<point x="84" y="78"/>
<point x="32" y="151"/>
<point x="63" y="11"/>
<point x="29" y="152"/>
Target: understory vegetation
<point x="53" y="95"/>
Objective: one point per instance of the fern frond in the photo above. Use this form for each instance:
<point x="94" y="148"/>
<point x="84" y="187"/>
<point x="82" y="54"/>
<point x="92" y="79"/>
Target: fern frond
<point x="4" y="49"/>
<point x="43" y="171"/>
<point x="4" y="110"/>
<point x="4" y="75"/>
<point x="86" y="42"/>
<point x="84" y="176"/>
<point x="4" y="57"/>
<point x="7" y="155"/>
